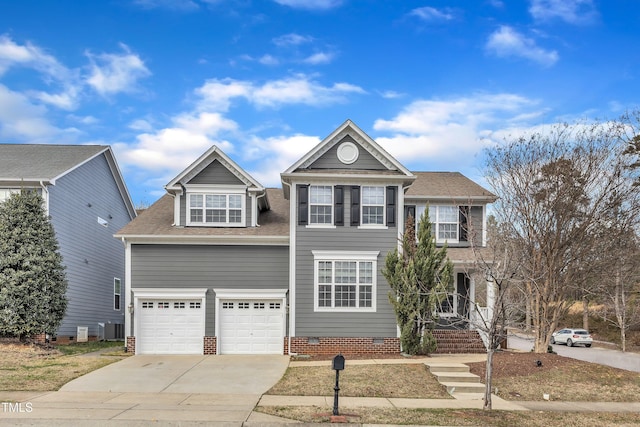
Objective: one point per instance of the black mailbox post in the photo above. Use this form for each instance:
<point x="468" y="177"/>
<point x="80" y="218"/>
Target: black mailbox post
<point x="337" y="365"/>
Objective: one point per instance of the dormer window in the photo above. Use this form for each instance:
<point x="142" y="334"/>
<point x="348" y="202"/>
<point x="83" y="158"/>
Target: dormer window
<point x="216" y="209"/>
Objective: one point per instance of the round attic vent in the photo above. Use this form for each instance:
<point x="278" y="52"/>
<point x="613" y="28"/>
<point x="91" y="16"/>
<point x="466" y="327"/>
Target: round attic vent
<point x="348" y="153"/>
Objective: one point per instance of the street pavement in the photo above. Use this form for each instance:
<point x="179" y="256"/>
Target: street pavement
<point x="595" y="354"/>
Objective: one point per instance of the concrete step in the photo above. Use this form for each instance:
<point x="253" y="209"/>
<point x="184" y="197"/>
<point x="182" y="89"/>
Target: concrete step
<point x="456" y="377"/>
<point x="457" y="387"/>
<point x="447" y="367"/>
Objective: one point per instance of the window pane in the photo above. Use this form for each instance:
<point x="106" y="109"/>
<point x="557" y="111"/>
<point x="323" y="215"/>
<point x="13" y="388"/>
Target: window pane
<point x="365" y="295"/>
<point x="235" y="215"/>
<point x="235" y="201"/>
<point x="321" y="214"/>
<point x="373" y="195"/>
<point x="448" y="231"/>
<point x="195" y="215"/>
<point x="345" y="296"/>
<point x="345" y="271"/>
<point x="366" y="272"/>
<point x="320" y="194"/>
<point x="216" y="215"/>
<point x="324" y="272"/>
<point x="195" y="201"/>
<point x="373" y="215"/>
<point x="216" y="201"/>
<point x="448" y="214"/>
<point x="324" y="296"/>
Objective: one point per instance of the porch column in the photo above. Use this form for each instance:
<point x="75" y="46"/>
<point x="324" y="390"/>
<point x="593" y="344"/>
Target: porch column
<point x="491" y="299"/>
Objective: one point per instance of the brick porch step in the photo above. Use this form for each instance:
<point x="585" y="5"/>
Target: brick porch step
<point x="458" y="341"/>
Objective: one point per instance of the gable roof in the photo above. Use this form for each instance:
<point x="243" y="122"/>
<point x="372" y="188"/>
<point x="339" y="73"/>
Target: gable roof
<point x="347" y="128"/>
<point x="212" y="154"/>
<point x="447" y="186"/>
<point x="43" y="164"/>
<point x="155" y="224"/>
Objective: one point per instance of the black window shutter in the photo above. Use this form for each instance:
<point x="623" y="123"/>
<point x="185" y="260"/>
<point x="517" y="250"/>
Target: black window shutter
<point x="391" y="206"/>
<point x="303" y="204"/>
<point x="464" y="223"/>
<point x="338" y="205"/>
<point x="410" y="210"/>
<point x="355" y="206"/>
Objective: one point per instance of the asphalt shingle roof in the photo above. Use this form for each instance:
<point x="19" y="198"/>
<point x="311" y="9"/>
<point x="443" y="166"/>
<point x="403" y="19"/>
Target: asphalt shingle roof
<point x="33" y="162"/>
<point x="446" y="184"/>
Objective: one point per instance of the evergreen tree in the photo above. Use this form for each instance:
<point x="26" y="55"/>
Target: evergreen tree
<point x="419" y="277"/>
<point x="32" y="278"/>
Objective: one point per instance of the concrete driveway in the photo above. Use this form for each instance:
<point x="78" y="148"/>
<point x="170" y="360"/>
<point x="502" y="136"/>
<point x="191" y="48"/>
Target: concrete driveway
<point x="251" y="375"/>
<point x="158" y="390"/>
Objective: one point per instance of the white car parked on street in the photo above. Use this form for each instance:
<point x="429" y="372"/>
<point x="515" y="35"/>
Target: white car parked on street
<point x="571" y="337"/>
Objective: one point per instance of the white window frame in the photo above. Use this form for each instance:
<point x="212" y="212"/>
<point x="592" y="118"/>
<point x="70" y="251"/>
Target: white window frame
<point x="329" y="224"/>
<point x="453" y="312"/>
<point x="383" y="206"/>
<point x="358" y="257"/>
<point x="218" y="192"/>
<point x="434" y="217"/>
<point x="117" y="281"/>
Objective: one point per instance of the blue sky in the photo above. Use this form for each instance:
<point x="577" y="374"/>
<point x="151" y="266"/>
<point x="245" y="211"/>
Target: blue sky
<point x="432" y="81"/>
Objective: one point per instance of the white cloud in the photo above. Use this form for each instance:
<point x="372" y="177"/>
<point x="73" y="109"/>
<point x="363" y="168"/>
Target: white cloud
<point x="310" y="4"/>
<point x="180" y="5"/>
<point x="300" y="89"/>
<point x="431" y="14"/>
<point x="291" y="39"/>
<point x="28" y="55"/>
<point x="506" y="42"/>
<point x="572" y="11"/>
<point x="391" y="94"/>
<point x="268" y="60"/>
<point x="276" y="154"/>
<point x="319" y="58"/>
<point x="141" y="125"/>
<point x="174" y="148"/>
<point x="112" y="73"/>
<point x="21" y="119"/>
<point x="434" y="132"/>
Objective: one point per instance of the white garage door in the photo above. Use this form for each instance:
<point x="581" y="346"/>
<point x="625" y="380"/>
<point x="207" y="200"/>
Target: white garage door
<point x="170" y="327"/>
<point x="251" y="327"/>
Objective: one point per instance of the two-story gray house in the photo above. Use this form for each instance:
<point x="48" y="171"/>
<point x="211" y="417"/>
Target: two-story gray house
<point x="87" y="201"/>
<point x="222" y="265"/>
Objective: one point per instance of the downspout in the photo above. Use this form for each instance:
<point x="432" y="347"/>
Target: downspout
<point x="256" y="213"/>
<point x="45" y="190"/>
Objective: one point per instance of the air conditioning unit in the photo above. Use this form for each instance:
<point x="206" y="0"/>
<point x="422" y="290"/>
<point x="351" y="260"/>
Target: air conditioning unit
<point x="83" y="334"/>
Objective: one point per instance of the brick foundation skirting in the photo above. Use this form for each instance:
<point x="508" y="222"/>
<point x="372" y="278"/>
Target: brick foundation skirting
<point x="335" y="345"/>
<point x="210" y="344"/>
<point x="131" y="344"/>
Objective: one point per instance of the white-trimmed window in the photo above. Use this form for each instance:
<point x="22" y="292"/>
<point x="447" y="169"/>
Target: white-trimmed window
<point x="321" y="204"/>
<point x="217" y="209"/>
<point x="372" y="205"/>
<point x="444" y="222"/>
<point x="117" y="292"/>
<point x="345" y="281"/>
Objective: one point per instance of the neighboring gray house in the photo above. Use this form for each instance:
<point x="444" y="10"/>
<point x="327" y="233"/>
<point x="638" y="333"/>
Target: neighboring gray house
<point x="222" y="265"/>
<point x="87" y="201"/>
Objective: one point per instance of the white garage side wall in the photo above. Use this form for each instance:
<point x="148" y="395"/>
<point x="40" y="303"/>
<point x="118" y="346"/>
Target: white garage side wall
<point x="140" y="294"/>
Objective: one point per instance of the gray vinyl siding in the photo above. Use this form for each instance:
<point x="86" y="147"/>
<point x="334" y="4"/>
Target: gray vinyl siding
<point x="90" y="253"/>
<point x="329" y="160"/>
<point x="381" y="323"/>
<point x="183" y="211"/>
<point x="216" y="173"/>
<point x="204" y="266"/>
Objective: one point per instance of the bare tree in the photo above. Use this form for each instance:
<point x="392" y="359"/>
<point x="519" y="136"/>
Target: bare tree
<point x="554" y="190"/>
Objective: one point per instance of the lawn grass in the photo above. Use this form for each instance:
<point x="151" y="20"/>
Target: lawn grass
<point x="404" y="380"/>
<point x="457" y="417"/>
<point x="88" y="347"/>
<point x="33" y="368"/>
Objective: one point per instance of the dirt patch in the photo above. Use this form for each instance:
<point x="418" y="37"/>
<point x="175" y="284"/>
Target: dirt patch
<point x="512" y="364"/>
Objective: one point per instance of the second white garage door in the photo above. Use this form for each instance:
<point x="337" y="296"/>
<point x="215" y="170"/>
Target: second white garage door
<point x="251" y="327"/>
